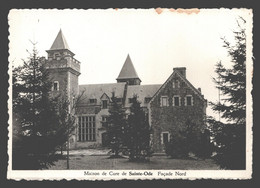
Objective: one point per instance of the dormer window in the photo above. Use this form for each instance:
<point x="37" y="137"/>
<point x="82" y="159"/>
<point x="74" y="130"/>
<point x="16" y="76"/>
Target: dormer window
<point x="55" y="86"/>
<point x="92" y="101"/>
<point x="119" y="100"/>
<point x="104" y="104"/>
<point x="130" y="100"/>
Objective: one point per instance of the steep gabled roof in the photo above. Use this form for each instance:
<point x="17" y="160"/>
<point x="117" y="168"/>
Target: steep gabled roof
<point x="60" y="42"/>
<point x="176" y="72"/>
<point x="96" y="91"/>
<point x="128" y="70"/>
<point x="142" y="91"/>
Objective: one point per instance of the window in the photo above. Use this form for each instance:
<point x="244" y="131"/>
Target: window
<point x="86" y="128"/>
<point x="173" y="84"/>
<point x="104" y="121"/>
<point x="131" y="82"/>
<point x="105" y="139"/>
<point x="164" y="101"/>
<point x="92" y="101"/>
<point x="165" y="137"/>
<point x="119" y="100"/>
<point x="57" y="56"/>
<point x="147" y="99"/>
<point x="73" y="100"/>
<point x="130" y="100"/>
<point x="177" y="84"/>
<point x="151" y="140"/>
<point x="188" y="100"/>
<point x="176" y="101"/>
<point x="55" y="86"/>
<point x="104" y="104"/>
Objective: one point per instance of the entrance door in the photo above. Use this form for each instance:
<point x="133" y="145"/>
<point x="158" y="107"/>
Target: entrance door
<point x="165" y="138"/>
<point x="104" y="140"/>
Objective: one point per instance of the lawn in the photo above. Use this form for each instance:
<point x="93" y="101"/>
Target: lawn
<point x="103" y="162"/>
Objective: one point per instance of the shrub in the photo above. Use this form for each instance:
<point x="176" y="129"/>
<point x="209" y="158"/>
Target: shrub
<point x="177" y="147"/>
<point x="186" y="142"/>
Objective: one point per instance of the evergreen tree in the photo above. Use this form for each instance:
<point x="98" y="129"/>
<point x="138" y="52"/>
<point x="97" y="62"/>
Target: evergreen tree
<point x="66" y="110"/>
<point x="34" y="116"/>
<point x="66" y="124"/>
<point x="229" y="131"/>
<point x="138" y="133"/>
<point x="116" y="126"/>
<point x="42" y="123"/>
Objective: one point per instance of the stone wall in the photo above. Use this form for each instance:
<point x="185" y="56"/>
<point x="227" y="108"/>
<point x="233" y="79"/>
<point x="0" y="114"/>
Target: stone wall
<point x="61" y="76"/>
<point x="74" y="85"/>
<point x="174" y="118"/>
<point x="67" y="78"/>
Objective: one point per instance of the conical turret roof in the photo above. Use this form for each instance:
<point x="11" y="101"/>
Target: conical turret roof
<point x="128" y="70"/>
<point x="60" y="42"/>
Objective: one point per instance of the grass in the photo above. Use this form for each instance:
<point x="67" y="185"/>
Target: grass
<point x="89" y="162"/>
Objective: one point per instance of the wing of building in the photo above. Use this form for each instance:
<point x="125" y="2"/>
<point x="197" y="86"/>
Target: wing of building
<point x="170" y="106"/>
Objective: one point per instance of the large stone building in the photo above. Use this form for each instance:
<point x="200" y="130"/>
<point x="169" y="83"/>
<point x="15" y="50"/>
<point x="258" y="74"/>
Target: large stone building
<point x="169" y="106"/>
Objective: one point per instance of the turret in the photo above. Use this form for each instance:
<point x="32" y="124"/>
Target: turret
<point x="63" y="68"/>
<point x="128" y="73"/>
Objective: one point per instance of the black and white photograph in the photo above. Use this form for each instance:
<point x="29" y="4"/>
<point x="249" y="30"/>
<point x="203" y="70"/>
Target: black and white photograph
<point x="111" y="94"/>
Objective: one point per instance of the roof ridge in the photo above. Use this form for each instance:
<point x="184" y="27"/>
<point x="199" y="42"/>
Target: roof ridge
<point x="103" y="84"/>
<point x="146" y="85"/>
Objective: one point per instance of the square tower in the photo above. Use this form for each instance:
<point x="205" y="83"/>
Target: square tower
<point x="63" y="68"/>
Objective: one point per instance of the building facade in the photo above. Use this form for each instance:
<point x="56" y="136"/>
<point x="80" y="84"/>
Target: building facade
<point x="170" y="106"/>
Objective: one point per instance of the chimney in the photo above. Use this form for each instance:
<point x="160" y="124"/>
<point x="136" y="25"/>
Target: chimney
<point x="181" y="70"/>
<point x="199" y="89"/>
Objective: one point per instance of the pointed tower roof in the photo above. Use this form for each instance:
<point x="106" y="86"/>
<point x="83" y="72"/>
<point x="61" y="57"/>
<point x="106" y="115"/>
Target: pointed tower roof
<point x="60" y="42"/>
<point x="128" y="70"/>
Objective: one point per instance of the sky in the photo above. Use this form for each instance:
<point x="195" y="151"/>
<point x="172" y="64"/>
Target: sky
<point x="157" y="40"/>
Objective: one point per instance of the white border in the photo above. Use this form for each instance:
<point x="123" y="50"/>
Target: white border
<point x="189" y="174"/>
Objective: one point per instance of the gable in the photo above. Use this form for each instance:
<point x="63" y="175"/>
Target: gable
<point x="104" y="97"/>
<point x="176" y="77"/>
